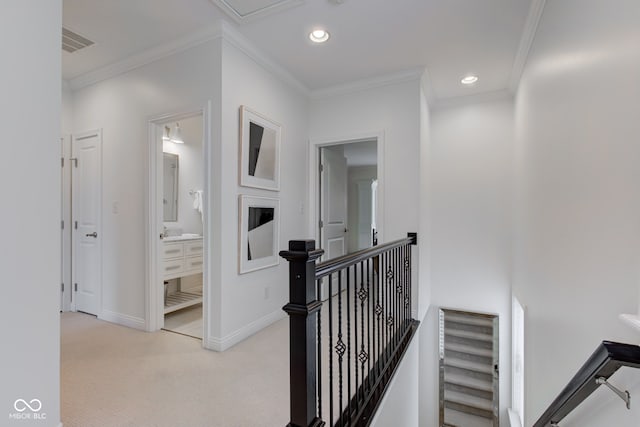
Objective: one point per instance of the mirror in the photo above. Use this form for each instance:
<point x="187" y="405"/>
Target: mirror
<point x="170" y="182"/>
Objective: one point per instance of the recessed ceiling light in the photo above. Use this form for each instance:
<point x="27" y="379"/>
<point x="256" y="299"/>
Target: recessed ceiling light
<point x="469" y="80"/>
<point x="319" y="36"/>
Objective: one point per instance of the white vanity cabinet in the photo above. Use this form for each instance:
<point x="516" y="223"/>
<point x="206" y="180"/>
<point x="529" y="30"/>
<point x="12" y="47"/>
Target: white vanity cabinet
<point x="182" y="257"/>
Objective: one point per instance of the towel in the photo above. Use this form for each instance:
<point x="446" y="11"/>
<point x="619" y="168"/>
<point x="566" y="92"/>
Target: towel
<point x="198" y="203"/>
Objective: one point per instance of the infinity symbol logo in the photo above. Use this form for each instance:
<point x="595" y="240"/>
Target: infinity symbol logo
<point x="21" y="405"/>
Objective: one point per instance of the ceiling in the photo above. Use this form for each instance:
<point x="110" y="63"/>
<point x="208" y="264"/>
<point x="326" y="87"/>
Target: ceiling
<point x="369" y="38"/>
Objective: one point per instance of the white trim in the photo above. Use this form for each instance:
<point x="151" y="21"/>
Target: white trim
<point x="122" y="319"/>
<point x="631" y="320"/>
<point x="365" y="84"/>
<point x="240" y="42"/>
<point x="314" y="146"/>
<point x="67" y="232"/>
<point x="154" y="315"/>
<point x="458" y="101"/>
<point x="222" y="344"/>
<point x="526" y="41"/>
<point x="146" y="57"/>
<point x="514" y="418"/>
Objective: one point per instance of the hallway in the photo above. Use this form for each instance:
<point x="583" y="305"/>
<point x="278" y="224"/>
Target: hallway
<point x="113" y="376"/>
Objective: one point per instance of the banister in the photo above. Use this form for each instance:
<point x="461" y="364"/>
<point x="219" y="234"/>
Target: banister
<point x="329" y="266"/>
<point x="603" y="363"/>
<point x="368" y="327"/>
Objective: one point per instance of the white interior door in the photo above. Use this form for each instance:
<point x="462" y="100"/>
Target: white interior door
<point x="333" y="205"/>
<point x="86" y="151"/>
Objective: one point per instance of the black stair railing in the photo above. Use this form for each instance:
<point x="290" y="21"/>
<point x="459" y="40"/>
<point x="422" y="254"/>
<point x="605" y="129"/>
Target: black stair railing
<point x="345" y="350"/>
<point x="603" y="363"/>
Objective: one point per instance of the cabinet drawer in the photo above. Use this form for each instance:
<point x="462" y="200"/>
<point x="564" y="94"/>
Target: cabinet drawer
<point x="173" y="250"/>
<point x="193" y="248"/>
<point x="173" y="268"/>
<point x="193" y="264"/>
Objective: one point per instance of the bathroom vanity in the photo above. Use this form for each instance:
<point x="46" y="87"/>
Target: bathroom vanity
<point x="182" y="257"/>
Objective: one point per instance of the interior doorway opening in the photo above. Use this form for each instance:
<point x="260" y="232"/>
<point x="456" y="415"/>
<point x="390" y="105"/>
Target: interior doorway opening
<point x="177" y="292"/>
<point x="347" y="196"/>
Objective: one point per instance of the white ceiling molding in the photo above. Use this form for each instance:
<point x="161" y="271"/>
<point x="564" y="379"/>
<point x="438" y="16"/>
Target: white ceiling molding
<point x="457" y="101"/>
<point x="241" y="13"/>
<point x="526" y="41"/>
<point x="233" y="37"/>
<point x="360" y="85"/>
<point x="146" y="57"/>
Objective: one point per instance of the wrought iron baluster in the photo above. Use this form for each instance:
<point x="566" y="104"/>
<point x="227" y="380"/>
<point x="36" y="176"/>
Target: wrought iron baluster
<point x="363" y="355"/>
<point x="355" y="337"/>
<point x="348" y="343"/>
<point x="319" y="345"/>
<point x="330" y="318"/>
<point x="340" y="347"/>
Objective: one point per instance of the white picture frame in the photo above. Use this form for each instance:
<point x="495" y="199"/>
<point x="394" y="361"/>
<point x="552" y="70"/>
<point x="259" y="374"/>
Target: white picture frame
<point x="260" y="139"/>
<point x="259" y="234"/>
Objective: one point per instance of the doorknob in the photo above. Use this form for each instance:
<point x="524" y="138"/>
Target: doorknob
<point x="94" y="234"/>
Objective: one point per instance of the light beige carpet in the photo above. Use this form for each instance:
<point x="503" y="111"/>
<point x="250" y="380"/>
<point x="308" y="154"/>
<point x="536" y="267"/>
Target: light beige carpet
<point x="113" y="376"/>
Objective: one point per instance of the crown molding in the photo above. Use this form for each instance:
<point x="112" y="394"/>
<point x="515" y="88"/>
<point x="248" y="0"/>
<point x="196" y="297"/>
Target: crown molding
<point x="457" y="101"/>
<point x="526" y="41"/>
<point x="412" y="74"/>
<point x="234" y="38"/>
<point x="146" y="57"/>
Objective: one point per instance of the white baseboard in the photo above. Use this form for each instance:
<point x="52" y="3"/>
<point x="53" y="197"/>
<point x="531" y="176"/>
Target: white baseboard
<point x="514" y="418"/>
<point x="222" y="344"/>
<point x="122" y="319"/>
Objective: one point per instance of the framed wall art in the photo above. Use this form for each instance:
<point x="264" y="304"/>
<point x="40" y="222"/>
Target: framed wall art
<point x="259" y="151"/>
<point x="259" y="233"/>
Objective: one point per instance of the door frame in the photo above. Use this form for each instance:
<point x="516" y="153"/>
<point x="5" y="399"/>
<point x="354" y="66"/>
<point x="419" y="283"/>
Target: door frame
<point x="66" y="288"/>
<point x="154" y="295"/>
<point x="315" y="145"/>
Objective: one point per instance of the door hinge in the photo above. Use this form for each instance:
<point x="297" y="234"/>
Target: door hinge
<point x="75" y="225"/>
<point x="62" y="224"/>
<point x="321" y="224"/>
<point x="321" y="167"/>
<point x="75" y="287"/>
<point x="61" y="161"/>
<point x="61" y="287"/>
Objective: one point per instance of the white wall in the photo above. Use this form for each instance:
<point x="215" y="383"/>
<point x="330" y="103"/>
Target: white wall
<point x="190" y="173"/>
<point x="122" y="107"/>
<point x="399" y="406"/>
<point x="30" y="262"/>
<point x="393" y="109"/>
<point x="578" y="196"/>
<point x="470" y="181"/>
<point x="253" y="300"/>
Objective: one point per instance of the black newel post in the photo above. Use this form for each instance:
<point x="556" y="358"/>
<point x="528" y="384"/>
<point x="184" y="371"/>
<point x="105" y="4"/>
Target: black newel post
<point x="302" y="309"/>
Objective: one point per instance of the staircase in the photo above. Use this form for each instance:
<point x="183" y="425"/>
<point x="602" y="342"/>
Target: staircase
<point x="468" y="379"/>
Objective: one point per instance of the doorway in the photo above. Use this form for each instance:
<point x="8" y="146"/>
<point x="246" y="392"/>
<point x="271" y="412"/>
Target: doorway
<point x="348" y="186"/>
<point x="347" y="197"/>
<point x="177" y="293"/>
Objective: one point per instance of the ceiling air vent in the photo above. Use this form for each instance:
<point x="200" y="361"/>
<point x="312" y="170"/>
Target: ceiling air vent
<point x="73" y="41"/>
